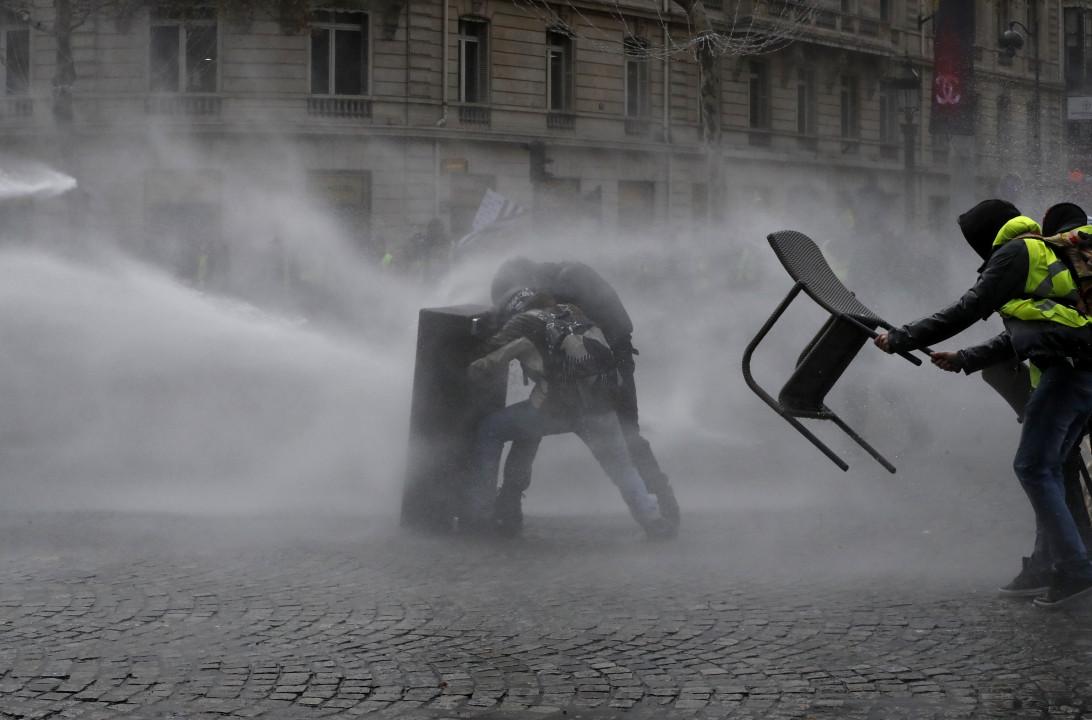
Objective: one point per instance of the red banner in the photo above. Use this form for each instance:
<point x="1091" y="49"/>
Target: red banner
<point x="953" y="69"/>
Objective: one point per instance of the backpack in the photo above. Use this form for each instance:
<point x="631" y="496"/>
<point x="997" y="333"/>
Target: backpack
<point x="1074" y="249"/>
<point x="580" y="369"/>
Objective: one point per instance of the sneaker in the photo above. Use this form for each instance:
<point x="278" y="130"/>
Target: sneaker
<point x="1063" y="591"/>
<point x="508" y="514"/>
<point x="669" y="506"/>
<point x="1033" y="580"/>
<point x="660" y="528"/>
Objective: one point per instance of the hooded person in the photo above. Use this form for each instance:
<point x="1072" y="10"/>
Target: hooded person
<point x="579" y="284"/>
<point x="1028" y="285"/>
<point x="1014" y="381"/>
<point x="576" y="378"/>
<point x="1063" y="217"/>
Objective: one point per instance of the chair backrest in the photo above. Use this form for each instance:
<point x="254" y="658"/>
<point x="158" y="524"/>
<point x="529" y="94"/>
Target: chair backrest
<point x="830" y="352"/>
<point x="805" y="263"/>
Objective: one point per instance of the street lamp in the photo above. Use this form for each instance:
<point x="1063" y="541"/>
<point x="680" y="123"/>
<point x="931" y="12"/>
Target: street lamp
<point x="1009" y="42"/>
<point x="906" y="82"/>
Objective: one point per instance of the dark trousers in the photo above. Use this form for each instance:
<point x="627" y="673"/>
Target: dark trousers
<point x="521" y="456"/>
<point x="1012" y="381"/>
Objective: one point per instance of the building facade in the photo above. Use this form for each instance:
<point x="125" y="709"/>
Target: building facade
<point x="397" y="112"/>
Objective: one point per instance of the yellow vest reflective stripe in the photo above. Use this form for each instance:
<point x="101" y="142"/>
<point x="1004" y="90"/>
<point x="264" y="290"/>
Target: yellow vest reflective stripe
<point x="1048" y="286"/>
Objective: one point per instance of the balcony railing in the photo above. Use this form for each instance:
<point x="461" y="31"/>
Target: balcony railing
<point x="474" y="115"/>
<point x="868" y="26"/>
<point x="340" y="107"/>
<point x="560" y="121"/>
<point x="637" y="126"/>
<point x="760" y="137"/>
<point x="826" y="19"/>
<point x="184" y="105"/>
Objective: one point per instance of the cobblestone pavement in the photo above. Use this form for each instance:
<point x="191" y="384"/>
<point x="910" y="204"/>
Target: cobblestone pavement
<point x="789" y="615"/>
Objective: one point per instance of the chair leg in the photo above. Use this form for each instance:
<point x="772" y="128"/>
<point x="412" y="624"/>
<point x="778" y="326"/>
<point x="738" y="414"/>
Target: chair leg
<point x="860" y="441"/>
<point x="766" y="397"/>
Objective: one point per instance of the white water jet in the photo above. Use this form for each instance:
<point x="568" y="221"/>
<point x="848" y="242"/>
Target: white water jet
<point x="32" y="180"/>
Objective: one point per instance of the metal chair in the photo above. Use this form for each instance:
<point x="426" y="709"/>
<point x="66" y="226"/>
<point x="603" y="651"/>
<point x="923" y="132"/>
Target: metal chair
<point x="829" y="353"/>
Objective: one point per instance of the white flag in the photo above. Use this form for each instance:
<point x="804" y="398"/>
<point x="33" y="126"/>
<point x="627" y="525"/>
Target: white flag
<point x="494" y="208"/>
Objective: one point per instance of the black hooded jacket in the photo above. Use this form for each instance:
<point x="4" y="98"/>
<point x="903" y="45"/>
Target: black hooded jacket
<point x="577" y="283"/>
<point x="570" y="282"/>
<point x="1002" y="278"/>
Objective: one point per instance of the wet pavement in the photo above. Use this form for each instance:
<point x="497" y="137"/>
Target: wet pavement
<point x="780" y="613"/>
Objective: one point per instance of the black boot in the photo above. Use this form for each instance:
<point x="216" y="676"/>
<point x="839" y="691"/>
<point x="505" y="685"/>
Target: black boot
<point x="1033" y="580"/>
<point x="508" y="513"/>
<point x="669" y="506"/>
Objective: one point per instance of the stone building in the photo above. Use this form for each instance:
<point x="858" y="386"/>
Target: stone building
<point x="191" y="120"/>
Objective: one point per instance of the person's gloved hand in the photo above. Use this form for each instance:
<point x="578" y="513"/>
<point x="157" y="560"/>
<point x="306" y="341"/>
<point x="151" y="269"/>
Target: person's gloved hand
<point x="949" y="361"/>
<point x="480" y="370"/>
<point x="881" y="342"/>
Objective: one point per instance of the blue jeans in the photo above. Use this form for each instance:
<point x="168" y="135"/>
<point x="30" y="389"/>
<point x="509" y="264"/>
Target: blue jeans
<point x="1054" y="419"/>
<point x="522" y="421"/>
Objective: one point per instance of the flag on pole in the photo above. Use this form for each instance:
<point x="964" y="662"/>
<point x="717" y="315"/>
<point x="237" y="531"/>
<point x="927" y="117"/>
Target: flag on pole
<point x="494" y="208"/>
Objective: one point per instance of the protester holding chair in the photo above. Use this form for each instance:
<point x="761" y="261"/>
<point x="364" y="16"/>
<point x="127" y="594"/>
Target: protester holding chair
<point x="1025" y="279"/>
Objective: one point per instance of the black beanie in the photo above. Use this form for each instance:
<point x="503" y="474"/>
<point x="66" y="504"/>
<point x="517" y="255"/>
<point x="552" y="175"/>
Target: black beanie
<point x="981" y="224"/>
<point x="1063" y="217"/>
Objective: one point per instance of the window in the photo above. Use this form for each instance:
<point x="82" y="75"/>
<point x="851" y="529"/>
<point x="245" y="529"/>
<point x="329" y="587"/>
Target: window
<point x="16" y="56"/>
<point x="636" y="205"/>
<point x="889" y="117"/>
<point x="183" y="51"/>
<point x="805" y="101"/>
<point x="699" y="203"/>
<point x="1074" y="48"/>
<point x="941" y="146"/>
<point x="850" y="107"/>
<point x="885" y="10"/>
<point x="759" y="94"/>
<point x="346" y="199"/>
<point x="1002" y="16"/>
<point x="637" y="78"/>
<point x="339" y="53"/>
<point x="473" y="60"/>
<point x="849" y="6"/>
<point x="559" y="71"/>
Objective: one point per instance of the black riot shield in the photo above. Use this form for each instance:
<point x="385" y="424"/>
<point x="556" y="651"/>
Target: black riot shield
<point x="445" y="411"/>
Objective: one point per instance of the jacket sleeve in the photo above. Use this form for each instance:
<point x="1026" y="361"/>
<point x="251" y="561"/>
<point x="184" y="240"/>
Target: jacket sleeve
<point x="524" y="326"/>
<point x="519" y="349"/>
<point x="580" y="284"/>
<point x="1002" y="279"/>
<point x="996" y="350"/>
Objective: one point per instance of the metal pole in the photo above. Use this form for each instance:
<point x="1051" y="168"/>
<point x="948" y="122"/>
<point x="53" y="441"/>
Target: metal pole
<point x="1038" y="109"/>
<point x="908" y="131"/>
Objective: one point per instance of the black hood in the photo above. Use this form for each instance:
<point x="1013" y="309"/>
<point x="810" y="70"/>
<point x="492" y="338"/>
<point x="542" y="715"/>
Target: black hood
<point x="513" y="274"/>
<point x="981" y="224"/>
<point x="1062" y="218"/>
